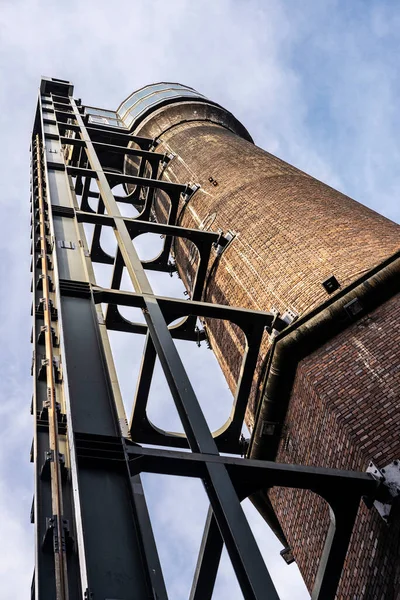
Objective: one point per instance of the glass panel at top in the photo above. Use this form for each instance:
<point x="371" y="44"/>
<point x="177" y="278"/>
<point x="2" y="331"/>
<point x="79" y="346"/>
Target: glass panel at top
<point x="146" y="91"/>
<point x="154" y="99"/>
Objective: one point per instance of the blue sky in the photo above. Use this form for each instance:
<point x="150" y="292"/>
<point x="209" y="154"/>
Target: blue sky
<point x="316" y="83"/>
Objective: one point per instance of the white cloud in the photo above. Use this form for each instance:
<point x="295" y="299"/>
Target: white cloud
<point x="314" y="82"/>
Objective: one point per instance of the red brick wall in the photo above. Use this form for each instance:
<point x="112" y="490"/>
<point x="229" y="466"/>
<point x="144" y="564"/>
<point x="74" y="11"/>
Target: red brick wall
<point x="292" y="233"/>
<point x="343" y="413"/>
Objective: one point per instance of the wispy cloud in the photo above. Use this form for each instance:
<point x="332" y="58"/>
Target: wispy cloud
<point x="315" y="83"/>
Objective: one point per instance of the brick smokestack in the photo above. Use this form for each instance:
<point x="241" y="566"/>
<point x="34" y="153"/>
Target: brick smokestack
<point x="337" y="399"/>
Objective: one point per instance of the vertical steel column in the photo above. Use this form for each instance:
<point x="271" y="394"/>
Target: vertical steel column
<point x="110" y="546"/>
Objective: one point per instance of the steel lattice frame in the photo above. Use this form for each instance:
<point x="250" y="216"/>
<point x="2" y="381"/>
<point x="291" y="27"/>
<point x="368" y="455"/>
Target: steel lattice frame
<point x="93" y="532"/>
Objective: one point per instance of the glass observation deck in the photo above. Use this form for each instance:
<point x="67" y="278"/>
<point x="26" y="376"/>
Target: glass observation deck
<point x="138" y="103"/>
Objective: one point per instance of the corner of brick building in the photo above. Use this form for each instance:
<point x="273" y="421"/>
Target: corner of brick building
<point x="342" y="414"/>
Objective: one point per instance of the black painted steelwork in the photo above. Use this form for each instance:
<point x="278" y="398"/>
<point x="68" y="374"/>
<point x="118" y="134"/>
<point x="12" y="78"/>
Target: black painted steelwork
<point x="102" y="533"/>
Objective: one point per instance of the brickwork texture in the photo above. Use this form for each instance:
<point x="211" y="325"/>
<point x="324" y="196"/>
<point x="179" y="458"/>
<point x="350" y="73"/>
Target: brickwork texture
<point x="292" y="232"/>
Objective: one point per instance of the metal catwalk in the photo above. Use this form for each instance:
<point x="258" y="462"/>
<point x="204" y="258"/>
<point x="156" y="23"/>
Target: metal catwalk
<point x="93" y="533"/>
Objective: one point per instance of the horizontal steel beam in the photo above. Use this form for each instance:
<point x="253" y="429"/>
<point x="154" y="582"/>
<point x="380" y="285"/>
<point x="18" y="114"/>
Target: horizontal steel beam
<point x="323" y="481"/>
<point x="99" y="134"/>
<point x="72" y="141"/>
<point x="64" y="114"/>
<point x="160" y="184"/>
<point x="62" y="126"/>
<point x="194" y="235"/>
<point x="174" y="307"/>
<point x="114" y="149"/>
<point x="82" y="172"/>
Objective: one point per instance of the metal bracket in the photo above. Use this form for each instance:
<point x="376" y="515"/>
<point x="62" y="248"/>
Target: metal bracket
<point x="39" y="283"/>
<point x="47" y="242"/>
<point x="223" y="241"/>
<point x="353" y="308"/>
<point x="191" y="188"/>
<point x="42" y="373"/>
<point x="268" y="427"/>
<point x="66" y="245"/>
<point x="287" y="555"/>
<point x="43" y="415"/>
<point x="49" y="458"/>
<point x="172" y="268"/>
<point x="201" y="335"/>
<point x="62" y="211"/>
<point x="389" y="490"/>
<point x="166" y="160"/>
<point x="244" y="444"/>
<point x="41" y="336"/>
<point x="41" y="308"/>
<point x="51" y="535"/>
<point x="48" y="260"/>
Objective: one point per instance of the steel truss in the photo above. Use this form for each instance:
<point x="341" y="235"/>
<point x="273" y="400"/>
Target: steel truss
<point x="86" y="529"/>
